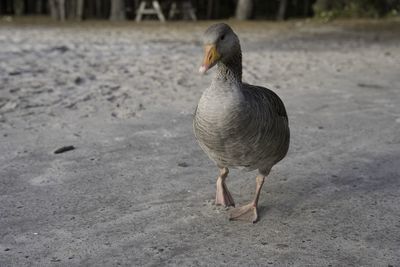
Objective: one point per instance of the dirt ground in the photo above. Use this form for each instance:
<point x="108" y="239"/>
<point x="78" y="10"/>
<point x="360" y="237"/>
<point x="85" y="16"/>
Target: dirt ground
<point x="138" y="191"/>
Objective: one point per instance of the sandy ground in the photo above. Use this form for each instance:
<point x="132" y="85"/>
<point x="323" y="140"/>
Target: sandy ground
<point x="138" y="190"/>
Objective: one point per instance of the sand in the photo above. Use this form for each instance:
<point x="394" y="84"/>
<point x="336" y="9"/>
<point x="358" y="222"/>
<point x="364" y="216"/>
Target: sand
<point x="137" y="190"/>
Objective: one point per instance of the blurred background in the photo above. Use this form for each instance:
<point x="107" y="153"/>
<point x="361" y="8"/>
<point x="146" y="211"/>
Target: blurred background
<point x="203" y="9"/>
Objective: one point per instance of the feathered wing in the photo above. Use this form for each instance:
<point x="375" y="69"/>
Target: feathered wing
<point x="267" y="97"/>
<point x="271" y="122"/>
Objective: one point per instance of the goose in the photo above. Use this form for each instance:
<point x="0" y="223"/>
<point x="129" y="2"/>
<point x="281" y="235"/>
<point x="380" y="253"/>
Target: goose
<point x="236" y="124"/>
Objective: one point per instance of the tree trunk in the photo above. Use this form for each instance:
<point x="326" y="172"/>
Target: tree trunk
<point x="39" y="6"/>
<point x="210" y="8"/>
<point x="244" y="9"/>
<point x="282" y="10"/>
<point x="99" y="13"/>
<point x="57" y="9"/>
<point x="53" y="9"/>
<point x="71" y="9"/>
<point x="19" y="7"/>
<point x="117" y="10"/>
<point x="89" y="8"/>
<point x="79" y="9"/>
<point x="61" y="8"/>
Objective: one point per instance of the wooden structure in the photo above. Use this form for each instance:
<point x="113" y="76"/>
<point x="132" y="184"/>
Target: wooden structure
<point x="147" y="7"/>
<point x="182" y="7"/>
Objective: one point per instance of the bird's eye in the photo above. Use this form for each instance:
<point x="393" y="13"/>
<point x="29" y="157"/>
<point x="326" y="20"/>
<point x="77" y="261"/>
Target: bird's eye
<point x="222" y="37"/>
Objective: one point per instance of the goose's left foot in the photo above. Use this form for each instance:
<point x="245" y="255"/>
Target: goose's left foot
<point x="249" y="212"/>
<point x="245" y="213"/>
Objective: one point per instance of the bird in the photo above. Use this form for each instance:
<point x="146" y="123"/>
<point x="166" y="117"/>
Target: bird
<point x="238" y="125"/>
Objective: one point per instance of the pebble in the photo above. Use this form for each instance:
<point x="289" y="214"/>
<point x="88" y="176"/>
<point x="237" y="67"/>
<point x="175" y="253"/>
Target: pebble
<point x="64" y="149"/>
<point x="183" y="164"/>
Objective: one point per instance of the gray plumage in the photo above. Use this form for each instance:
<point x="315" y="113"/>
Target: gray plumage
<point x="238" y="124"/>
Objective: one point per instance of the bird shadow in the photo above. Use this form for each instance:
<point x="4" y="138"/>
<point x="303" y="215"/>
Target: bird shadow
<point x="361" y="176"/>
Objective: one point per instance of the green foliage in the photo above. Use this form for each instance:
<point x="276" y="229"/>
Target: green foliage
<point x="329" y="9"/>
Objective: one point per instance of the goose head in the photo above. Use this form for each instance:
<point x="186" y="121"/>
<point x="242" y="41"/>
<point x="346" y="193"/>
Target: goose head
<point x="220" y="45"/>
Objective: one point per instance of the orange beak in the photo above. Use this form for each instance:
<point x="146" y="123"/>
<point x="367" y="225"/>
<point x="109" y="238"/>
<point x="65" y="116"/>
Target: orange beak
<point x="211" y="58"/>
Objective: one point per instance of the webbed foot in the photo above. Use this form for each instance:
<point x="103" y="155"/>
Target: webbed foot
<point x="245" y="213"/>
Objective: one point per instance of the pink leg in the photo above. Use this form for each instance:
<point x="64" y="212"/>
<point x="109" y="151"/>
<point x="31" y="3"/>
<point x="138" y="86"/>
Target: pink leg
<point x="223" y="197"/>
<point x="249" y="212"/>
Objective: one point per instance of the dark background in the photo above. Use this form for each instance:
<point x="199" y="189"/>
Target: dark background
<point x="212" y="9"/>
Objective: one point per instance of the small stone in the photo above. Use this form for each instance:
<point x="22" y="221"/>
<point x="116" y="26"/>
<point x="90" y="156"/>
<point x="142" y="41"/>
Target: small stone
<point x="61" y="49"/>
<point x="6" y="249"/>
<point x="115" y="87"/>
<point x="111" y="98"/>
<point x="14" y="73"/>
<point x="282" y="246"/>
<point x="64" y="149"/>
<point x="183" y="164"/>
<point x="55" y="259"/>
<point x="79" y="80"/>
